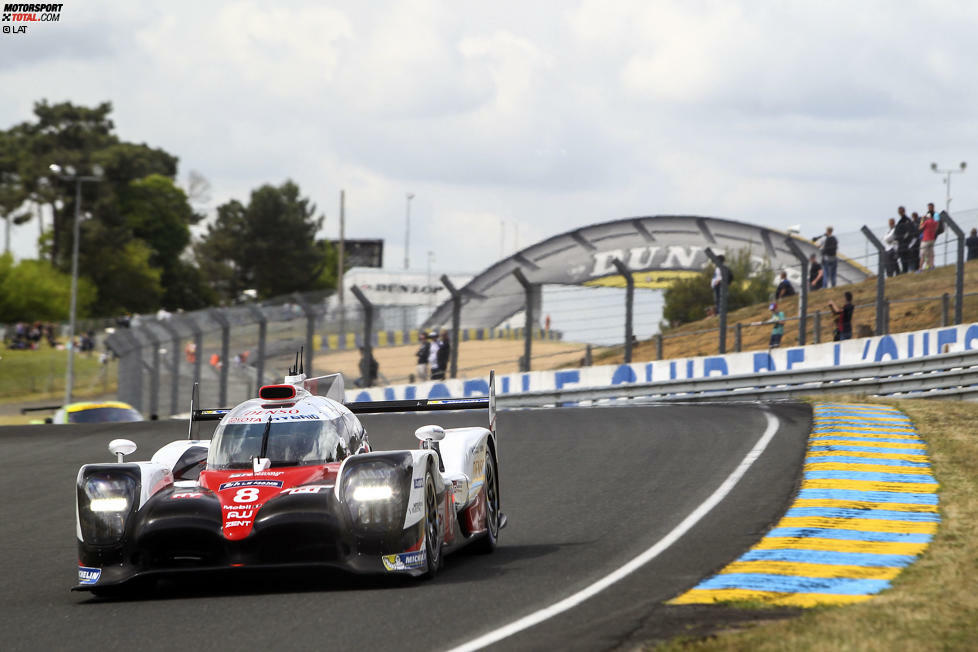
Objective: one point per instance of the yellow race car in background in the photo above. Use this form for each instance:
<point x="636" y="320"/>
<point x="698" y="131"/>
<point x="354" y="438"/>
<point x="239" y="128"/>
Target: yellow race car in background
<point x="89" y="412"/>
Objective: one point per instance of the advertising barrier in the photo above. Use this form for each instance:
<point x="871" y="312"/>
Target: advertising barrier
<point x="899" y="346"/>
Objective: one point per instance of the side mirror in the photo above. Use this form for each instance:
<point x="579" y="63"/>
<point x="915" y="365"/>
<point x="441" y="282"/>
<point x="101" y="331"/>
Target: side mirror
<point x="122" y="447"/>
<point x="430" y="433"/>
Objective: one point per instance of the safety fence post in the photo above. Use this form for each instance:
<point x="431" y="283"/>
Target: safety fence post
<point x="174" y="363"/>
<point x="456" y="322"/>
<point x="129" y="349"/>
<point x="310" y="314"/>
<point x="737" y="336"/>
<point x="658" y="346"/>
<point x="368" y="329"/>
<point x="945" y="309"/>
<point x="958" y="268"/>
<point x="259" y="314"/>
<point x="222" y="320"/>
<point x="880" y="276"/>
<point x="817" y="327"/>
<point x="722" y="344"/>
<point x="803" y="287"/>
<point x="528" y="328"/>
<point x="629" y="303"/>
<point x="154" y="371"/>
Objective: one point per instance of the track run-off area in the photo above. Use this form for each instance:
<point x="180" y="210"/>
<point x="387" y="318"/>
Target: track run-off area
<point x="612" y="511"/>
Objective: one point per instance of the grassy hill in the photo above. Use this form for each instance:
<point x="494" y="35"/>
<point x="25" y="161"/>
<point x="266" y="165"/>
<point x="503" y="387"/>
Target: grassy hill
<point x="915" y="303"/>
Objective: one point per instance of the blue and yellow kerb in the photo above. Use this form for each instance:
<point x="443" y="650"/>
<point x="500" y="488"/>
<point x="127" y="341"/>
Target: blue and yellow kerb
<point x="867" y="507"/>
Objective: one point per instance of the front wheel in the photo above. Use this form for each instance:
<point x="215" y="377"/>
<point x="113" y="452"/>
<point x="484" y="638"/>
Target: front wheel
<point x="490" y="540"/>
<point x="432" y="528"/>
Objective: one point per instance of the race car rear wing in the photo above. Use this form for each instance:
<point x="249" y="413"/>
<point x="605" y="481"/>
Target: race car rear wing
<point x="410" y="405"/>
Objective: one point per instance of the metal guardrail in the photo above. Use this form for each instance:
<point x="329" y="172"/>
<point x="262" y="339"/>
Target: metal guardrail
<point x="951" y="375"/>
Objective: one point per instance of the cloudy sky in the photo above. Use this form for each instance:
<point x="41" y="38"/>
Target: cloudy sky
<point x="529" y="118"/>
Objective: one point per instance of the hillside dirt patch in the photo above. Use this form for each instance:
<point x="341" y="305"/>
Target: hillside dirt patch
<point x="907" y="313"/>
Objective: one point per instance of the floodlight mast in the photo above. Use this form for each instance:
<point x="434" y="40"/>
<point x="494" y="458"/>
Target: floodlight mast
<point x="67" y="173"/>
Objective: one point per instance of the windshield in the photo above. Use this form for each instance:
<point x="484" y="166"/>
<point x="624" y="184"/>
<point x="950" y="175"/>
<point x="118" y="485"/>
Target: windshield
<point x="104" y="415"/>
<point x="290" y="443"/>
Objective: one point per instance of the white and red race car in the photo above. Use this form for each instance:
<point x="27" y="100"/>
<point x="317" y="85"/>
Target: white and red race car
<point x="288" y="479"/>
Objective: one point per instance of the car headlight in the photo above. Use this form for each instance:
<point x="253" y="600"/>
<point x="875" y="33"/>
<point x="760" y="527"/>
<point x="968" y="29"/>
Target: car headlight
<point x="375" y="493"/>
<point x="368" y="493"/>
<point x="105" y="500"/>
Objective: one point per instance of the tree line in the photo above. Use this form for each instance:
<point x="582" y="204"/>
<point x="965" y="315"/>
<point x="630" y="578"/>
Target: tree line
<point x="136" y="251"/>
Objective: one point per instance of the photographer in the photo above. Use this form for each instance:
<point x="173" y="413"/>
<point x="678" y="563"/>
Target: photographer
<point x="830" y="247"/>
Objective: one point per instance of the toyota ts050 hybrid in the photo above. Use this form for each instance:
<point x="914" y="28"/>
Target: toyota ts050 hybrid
<point x="289" y="479"/>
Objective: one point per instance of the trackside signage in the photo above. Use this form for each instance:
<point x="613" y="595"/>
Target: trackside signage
<point x="901" y="346"/>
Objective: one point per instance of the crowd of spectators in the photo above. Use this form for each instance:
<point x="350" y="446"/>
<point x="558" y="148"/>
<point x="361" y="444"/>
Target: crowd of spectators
<point x="910" y="241"/>
<point x="32" y="336"/>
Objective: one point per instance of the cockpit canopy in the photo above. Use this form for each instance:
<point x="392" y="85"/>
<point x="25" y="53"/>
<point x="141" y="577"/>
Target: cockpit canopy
<point x="310" y="431"/>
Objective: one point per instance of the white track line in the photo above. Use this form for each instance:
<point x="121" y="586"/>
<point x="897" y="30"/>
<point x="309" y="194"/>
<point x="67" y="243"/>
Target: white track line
<point x="589" y="591"/>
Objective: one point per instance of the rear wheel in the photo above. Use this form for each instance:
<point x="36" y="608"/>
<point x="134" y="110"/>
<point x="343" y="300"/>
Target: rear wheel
<point x="488" y="542"/>
<point x="432" y="527"/>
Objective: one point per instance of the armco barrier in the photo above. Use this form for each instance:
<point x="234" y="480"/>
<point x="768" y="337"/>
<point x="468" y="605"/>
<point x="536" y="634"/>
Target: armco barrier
<point x="863" y="366"/>
<point x="952" y="375"/>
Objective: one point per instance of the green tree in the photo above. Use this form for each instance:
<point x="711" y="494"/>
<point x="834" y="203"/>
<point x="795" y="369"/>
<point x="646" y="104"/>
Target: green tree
<point x="33" y="290"/>
<point x="138" y="216"/>
<point x="269" y="245"/>
<point x="688" y="300"/>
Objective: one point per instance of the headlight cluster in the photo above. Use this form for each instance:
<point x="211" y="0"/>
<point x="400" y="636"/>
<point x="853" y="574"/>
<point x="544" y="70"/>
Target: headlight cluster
<point x="375" y="493"/>
<point x="105" y="500"/>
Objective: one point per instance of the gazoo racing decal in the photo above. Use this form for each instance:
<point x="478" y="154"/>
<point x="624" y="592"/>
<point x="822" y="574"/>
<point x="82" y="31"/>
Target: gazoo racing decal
<point x="88" y="575"/>
<point x="308" y="489"/>
<point x="405" y="561"/>
<point x="234" y="484"/>
<point x="187" y="494"/>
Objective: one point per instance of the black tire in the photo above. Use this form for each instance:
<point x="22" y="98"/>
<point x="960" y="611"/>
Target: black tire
<point x="433" y="527"/>
<point x="490" y="540"/>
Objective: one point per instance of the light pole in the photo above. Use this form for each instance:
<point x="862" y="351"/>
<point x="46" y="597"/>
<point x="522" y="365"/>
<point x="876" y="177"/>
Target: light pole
<point x="407" y="231"/>
<point x="68" y="174"/>
<point x="947" y="196"/>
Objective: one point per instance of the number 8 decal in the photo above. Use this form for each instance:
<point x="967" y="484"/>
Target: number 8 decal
<point x="247" y="495"/>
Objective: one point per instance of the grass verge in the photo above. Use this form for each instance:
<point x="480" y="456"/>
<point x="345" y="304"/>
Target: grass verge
<point x="39" y="375"/>
<point x="933" y="604"/>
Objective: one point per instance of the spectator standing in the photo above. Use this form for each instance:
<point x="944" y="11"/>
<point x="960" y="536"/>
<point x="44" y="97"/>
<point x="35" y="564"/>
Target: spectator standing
<point x="905" y="233"/>
<point x="915" y="245"/>
<point x="369" y="369"/>
<point x="777" y="331"/>
<point x="843" y="318"/>
<point x="890" y="240"/>
<point x="816" y="277"/>
<point x="971" y="242"/>
<point x="718" y="281"/>
<point x="433" y="371"/>
<point x="421" y="371"/>
<point x="444" y="354"/>
<point x="830" y="248"/>
<point x="928" y="235"/>
<point x="785" y="288"/>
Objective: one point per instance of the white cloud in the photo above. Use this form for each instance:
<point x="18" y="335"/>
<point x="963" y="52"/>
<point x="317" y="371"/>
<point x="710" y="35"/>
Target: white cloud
<point x="550" y="115"/>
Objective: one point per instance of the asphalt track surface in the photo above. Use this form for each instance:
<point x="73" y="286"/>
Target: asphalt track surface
<point x="585" y="491"/>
